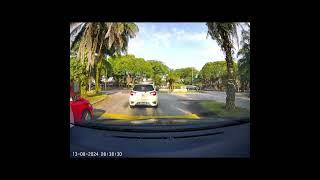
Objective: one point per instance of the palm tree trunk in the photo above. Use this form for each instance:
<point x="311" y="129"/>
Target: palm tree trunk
<point x="89" y="83"/>
<point x="97" y="80"/>
<point x="218" y="86"/>
<point x="230" y="91"/>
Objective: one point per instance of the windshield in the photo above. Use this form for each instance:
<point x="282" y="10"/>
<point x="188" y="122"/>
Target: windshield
<point x="159" y="73"/>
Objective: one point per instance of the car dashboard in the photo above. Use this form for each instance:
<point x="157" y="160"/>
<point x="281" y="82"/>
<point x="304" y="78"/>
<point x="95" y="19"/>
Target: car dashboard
<point x="223" y="142"/>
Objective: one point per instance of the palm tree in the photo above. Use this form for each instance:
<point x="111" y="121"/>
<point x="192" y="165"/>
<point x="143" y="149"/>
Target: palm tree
<point x="172" y="78"/>
<point x="224" y="33"/>
<point x="100" y="39"/>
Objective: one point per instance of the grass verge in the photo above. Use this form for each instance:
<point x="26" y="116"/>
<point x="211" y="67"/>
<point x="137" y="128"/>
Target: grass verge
<point x="95" y="97"/>
<point x="219" y="109"/>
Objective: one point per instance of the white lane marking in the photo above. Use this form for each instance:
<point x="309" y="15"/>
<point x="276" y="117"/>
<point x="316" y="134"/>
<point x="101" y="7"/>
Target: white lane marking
<point x="187" y="112"/>
<point x="144" y="121"/>
<point x="244" y="98"/>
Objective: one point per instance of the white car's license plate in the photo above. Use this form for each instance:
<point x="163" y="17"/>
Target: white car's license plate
<point x="143" y="103"/>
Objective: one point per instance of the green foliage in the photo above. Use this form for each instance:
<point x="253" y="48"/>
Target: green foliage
<point x="159" y="69"/>
<point x="213" y="70"/>
<point x="172" y="78"/>
<point x="219" y="109"/>
<point x="102" y="68"/>
<point x="157" y="79"/>
<point x="223" y="34"/>
<point x="185" y="75"/>
<point x="100" y="38"/>
<point x="244" y="61"/>
<point x="78" y="73"/>
<point x="130" y="68"/>
<point x="75" y="47"/>
<point x="178" y="86"/>
<point x="214" y="74"/>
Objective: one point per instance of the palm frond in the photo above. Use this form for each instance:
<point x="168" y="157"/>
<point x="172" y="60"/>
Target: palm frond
<point x="223" y="33"/>
<point x="214" y="32"/>
<point x="233" y="29"/>
<point x="104" y="38"/>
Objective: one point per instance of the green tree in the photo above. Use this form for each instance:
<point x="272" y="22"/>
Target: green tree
<point x="214" y="74"/>
<point x="102" y="68"/>
<point x="157" y="79"/>
<point x="129" y="70"/>
<point x="159" y="70"/>
<point x="187" y="75"/>
<point x="142" y="69"/>
<point x="244" y="61"/>
<point x="78" y="74"/>
<point x="223" y="34"/>
<point x="121" y="67"/>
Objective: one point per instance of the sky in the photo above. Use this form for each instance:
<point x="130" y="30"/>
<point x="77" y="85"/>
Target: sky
<point x="178" y="45"/>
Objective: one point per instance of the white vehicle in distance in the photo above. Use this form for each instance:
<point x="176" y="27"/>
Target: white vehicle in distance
<point x="143" y="94"/>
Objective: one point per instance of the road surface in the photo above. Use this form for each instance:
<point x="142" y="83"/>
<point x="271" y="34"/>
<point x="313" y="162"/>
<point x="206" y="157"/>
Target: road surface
<point x="241" y="100"/>
<point x="169" y="104"/>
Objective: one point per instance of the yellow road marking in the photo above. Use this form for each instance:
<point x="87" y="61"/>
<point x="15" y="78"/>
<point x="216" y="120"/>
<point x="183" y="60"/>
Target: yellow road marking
<point x="130" y="117"/>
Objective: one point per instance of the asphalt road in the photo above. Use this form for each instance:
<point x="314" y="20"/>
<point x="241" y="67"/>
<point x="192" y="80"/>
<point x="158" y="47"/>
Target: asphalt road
<point x="169" y="104"/>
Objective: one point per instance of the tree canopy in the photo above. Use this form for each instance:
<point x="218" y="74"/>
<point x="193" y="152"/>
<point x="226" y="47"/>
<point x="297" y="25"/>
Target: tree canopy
<point x="214" y="74"/>
<point x="130" y="67"/>
<point x="98" y="39"/>
<point x="244" y="61"/>
<point x="159" y="70"/>
<point x="94" y="41"/>
<point x="185" y="74"/>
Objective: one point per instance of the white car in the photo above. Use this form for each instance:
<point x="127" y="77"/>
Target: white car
<point x="143" y="94"/>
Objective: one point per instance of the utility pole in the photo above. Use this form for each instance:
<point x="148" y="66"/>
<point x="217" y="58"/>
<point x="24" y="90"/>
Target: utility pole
<point x="192" y="76"/>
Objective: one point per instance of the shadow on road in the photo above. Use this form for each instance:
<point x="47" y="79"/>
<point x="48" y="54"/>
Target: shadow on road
<point x="140" y="111"/>
<point x="98" y="113"/>
<point x="125" y="105"/>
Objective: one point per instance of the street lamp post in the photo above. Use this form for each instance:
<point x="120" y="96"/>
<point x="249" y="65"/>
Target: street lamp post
<point x="192" y="76"/>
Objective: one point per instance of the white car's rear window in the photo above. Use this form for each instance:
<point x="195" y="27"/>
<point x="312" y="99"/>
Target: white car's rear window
<point x="143" y="88"/>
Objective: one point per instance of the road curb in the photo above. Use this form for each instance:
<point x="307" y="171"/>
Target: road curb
<point x="135" y="117"/>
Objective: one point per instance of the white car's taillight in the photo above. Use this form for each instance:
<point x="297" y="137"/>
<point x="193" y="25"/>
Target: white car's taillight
<point x="132" y="93"/>
<point x="153" y="93"/>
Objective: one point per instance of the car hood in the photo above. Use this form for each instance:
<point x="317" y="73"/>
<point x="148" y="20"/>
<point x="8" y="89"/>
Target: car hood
<point x="164" y="125"/>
